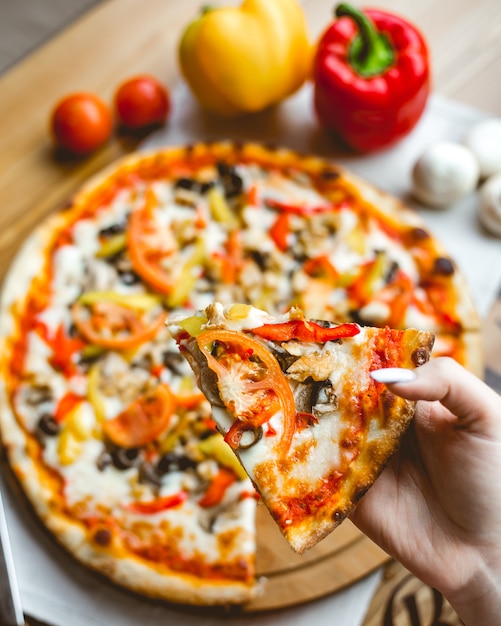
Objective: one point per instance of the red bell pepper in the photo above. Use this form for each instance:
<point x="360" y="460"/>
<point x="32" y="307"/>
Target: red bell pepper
<point x="279" y="232"/>
<point x="372" y="77"/>
<point x="297" y="209"/>
<point x="217" y="488"/>
<point x="67" y="403"/>
<point x="159" y="504"/>
<point x="304" y="331"/>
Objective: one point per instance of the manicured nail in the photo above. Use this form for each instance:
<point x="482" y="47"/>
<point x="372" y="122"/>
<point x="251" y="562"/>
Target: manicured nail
<point x="393" y="375"/>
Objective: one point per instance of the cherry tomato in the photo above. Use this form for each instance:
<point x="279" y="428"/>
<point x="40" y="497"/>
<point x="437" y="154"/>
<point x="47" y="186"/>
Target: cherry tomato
<point x="142" y="101"/>
<point x="81" y="122"/>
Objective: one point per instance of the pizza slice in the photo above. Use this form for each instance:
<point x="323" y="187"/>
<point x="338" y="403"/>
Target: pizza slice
<point x="295" y="401"/>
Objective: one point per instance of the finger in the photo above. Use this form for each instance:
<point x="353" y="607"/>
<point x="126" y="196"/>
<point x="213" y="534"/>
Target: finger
<point x="476" y="405"/>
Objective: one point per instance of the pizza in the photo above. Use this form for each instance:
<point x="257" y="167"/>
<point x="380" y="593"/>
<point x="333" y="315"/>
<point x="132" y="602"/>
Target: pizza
<point x="295" y="400"/>
<point x="102" y="421"/>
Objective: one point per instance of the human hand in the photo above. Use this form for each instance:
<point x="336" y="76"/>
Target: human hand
<point x="437" y="506"/>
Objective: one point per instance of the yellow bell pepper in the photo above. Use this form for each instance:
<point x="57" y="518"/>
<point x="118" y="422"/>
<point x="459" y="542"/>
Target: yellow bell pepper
<point x="217" y="448"/>
<point x="243" y="59"/>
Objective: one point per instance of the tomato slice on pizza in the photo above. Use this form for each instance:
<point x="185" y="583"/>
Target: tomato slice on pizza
<point x="143" y="420"/>
<point x="327" y="428"/>
<point x="250" y="383"/>
<point x="151" y="249"/>
<point x="116" y="321"/>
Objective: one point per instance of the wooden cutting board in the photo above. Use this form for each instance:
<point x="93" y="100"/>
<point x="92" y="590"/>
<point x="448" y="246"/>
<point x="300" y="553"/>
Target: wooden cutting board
<point x="342" y="558"/>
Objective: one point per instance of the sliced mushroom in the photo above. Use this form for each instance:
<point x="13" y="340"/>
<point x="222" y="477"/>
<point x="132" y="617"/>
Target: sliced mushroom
<point x="314" y="397"/>
<point x="285" y="359"/>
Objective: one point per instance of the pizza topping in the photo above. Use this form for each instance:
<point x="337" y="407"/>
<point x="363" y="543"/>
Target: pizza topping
<point x="172" y="462"/>
<point x="116" y="322"/>
<point x="220" y="210"/>
<point x="103" y="536"/>
<point x="297" y="209"/>
<point x="230" y="178"/>
<point x="250" y="437"/>
<point x="149" y="247"/>
<point x="160" y="504"/>
<point x="317" y="365"/>
<point x="66" y="405"/>
<point x="250" y="382"/>
<point x="124" y="458"/>
<point x="305" y="331"/>
<point x="112" y="246"/>
<point x="64" y="350"/>
<point x="217" y="488"/>
<point x="316" y="397"/>
<point x="48" y="426"/>
<point x="142" y="421"/>
<point x="186" y="192"/>
<point x="215" y="446"/>
<point x="443" y="267"/>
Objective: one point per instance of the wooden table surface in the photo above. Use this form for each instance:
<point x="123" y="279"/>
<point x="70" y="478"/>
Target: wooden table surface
<point x="122" y="37"/>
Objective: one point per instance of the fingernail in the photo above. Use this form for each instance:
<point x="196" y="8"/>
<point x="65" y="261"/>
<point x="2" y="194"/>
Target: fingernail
<point x="393" y="375"/>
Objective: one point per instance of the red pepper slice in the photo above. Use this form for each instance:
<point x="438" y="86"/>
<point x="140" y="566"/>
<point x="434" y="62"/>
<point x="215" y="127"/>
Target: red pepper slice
<point x="143" y="420"/>
<point x="298" y="209"/>
<point x="321" y="267"/>
<point x="372" y="77"/>
<point x="251" y="384"/>
<point x="230" y="262"/>
<point x="304" y="331"/>
<point x="217" y="488"/>
<point x="64" y="347"/>
<point x="279" y="232"/>
<point x="159" y="504"/>
<point x="67" y="403"/>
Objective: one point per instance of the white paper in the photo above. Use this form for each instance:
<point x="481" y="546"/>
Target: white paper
<point x="56" y="589"/>
<point x="53" y="587"/>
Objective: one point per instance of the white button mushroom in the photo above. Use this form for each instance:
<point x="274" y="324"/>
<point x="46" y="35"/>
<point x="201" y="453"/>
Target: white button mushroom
<point x="444" y="173"/>
<point x="484" y="140"/>
<point x="489" y="210"/>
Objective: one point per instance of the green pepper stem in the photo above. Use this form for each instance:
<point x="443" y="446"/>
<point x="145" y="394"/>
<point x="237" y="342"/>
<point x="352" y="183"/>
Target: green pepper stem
<point x="206" y="8"/>
<point x="370" y="52"/>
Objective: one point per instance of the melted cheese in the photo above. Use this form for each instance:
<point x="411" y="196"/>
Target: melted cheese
<point x="269" y="276"/>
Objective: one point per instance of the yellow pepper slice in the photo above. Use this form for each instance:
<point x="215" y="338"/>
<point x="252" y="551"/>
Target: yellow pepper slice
<point x="112" y="246"/>
<point x="216" y="447"/>
<point x="220" y="210"/>
<point x="93" y="393"/>
<point x="140" y="302"/>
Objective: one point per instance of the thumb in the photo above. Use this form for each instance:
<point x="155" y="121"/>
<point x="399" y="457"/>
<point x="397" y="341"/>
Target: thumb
<point x="476" y="406"/>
